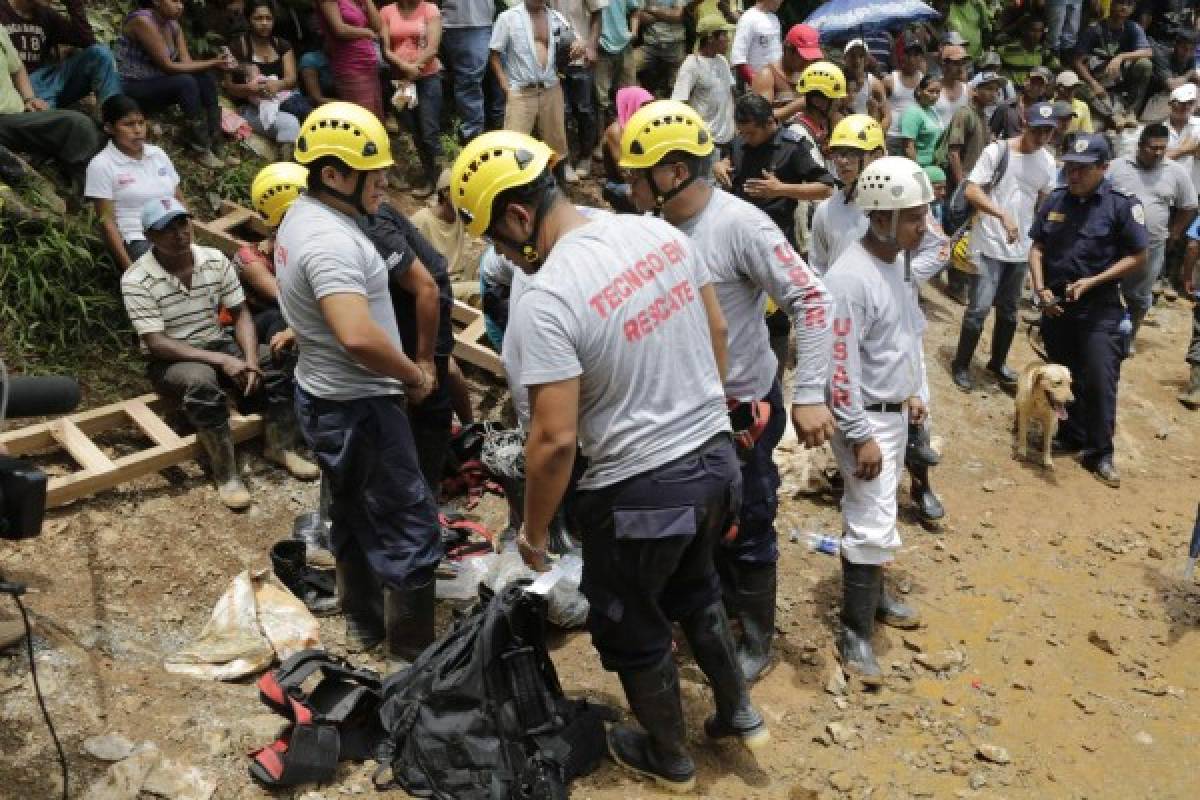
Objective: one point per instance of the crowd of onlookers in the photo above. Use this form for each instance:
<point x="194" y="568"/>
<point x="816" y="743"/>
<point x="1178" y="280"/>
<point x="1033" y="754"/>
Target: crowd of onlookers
<point x="574" y="71"/>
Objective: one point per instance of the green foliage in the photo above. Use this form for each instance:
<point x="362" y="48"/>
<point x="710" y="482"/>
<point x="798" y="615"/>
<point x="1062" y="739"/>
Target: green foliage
<point x="61" y="298"/>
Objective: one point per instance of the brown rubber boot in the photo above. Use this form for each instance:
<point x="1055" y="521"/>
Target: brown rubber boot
<point x="218" y="444"/>
<point x="280" y="446"/>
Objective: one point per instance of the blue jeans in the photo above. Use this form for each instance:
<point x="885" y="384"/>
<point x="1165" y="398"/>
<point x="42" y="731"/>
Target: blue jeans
<point x="998" y="283"/>
<point x="465" y="53"/>
<point x="285" y="129"/>
<point x="195" y="93"/>
<point x="91" y="69"/>
<point x="1138" y="289"/>
<point x="1062" y="23"/>
<point x="757" y="541"/>
<point x="425" y="123"/>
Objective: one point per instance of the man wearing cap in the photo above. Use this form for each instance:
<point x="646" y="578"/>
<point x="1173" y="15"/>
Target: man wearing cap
<point x="776" y="80"/>
<point x="1004" y="187"/>
<point x="173" y="295"/>
<point x="758" y="40"/>
<point x="1009" y="120"/>
<point x="705" y="82"/>
<point x="968" y="132"/>
<point x="871" y="97"/>
<point x="1115" y="54"/>
<point x="901" y="88"/>
<point x="1086" y="237"/>
<point x="1166" y="193"/>
<point x="1065" y="87"/>
<point x="443" y="228"/>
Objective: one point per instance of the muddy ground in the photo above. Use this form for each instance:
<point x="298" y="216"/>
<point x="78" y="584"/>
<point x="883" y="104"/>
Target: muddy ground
<point x="1056" y="624"/>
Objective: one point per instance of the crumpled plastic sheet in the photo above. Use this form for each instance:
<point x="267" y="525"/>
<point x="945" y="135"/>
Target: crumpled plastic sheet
<point x="566" y="606"/>
<point x="255" y="621"/>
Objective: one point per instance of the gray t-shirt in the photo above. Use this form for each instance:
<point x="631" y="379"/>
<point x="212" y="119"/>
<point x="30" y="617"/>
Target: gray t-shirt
<point x="1160" y="189"/>
<point x="706" y="84"/>
<point x="876" y="338"/>
<point x="617" y="304"/>
<point x="468" y="13"/>
<point x="321" y="252"/>
<point x="836" y="224"/>
<point x="749" y="258"/>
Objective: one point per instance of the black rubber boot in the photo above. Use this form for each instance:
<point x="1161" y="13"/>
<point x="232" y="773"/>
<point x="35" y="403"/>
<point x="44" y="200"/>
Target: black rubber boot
<point x="560" y="541"/>
<point x="314" y="587"/>
<point x="409" y="619"/>
<point x="707" y="633"/>
<point x="362" y="601"/>
<point x="929" y="505"/>
<point x="861" y="584"/>
<point x="919" y="451"/>
<point x="754" y="601"/>
<point x="313" y="531"/>
<point x="894" y="613"/>
<point x="660" y="753"/>
<point x="1002" y="338"/>
<point x="960" y="368"/>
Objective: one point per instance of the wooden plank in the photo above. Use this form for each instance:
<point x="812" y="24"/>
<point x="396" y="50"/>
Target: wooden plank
<point x="151" y="424"/>
<point x="208" y="236"/>
<point x="64" y="489"/>
<point x="478" y="355"/>
<point x="463" y="313"/>
<point x="82" y="449"/>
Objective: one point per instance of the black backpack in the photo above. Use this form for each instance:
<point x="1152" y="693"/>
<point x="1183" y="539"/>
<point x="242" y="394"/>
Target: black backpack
<point x="480" y="715"/>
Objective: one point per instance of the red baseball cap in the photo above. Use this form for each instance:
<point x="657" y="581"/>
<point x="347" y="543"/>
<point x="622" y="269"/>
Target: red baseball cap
<point x="806" y="41"/>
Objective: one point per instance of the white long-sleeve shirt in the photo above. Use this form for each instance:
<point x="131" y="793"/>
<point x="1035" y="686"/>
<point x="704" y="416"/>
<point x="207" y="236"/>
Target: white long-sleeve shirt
<point x="750" y="259"/>
<point x="876" y="338"/>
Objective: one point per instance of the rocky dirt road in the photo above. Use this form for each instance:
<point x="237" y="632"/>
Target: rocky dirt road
<point x="1060" y="655"/>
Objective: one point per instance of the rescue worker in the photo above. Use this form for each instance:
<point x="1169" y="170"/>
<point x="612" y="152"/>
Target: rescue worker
<point x="352" y="378"/>
<point x="1087" y="236"/>
<point x="857" y="141"/>
<point x="620" y="340"/>
<point x="821" y="85"/>
<point x="749" y="259"/>
<point x="874" y="391"/>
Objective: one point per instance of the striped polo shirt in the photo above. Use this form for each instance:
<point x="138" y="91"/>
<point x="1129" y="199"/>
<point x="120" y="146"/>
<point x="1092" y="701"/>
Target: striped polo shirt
<point x="157" y="302"/>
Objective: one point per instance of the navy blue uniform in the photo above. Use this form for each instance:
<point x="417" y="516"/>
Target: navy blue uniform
<point x="1081" y="237"/>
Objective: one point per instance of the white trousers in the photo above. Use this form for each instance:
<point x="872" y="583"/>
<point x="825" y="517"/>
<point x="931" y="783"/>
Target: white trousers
<point x="869" y="533"/>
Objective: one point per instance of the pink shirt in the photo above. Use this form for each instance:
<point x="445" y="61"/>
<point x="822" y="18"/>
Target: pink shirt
<point x="350" y="55"/>
<point x="407" y="32"/>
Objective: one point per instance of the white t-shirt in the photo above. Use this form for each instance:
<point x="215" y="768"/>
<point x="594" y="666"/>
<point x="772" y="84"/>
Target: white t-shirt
<point x="750" y="259"/>
<point x="758" y="40"/>
<point x="129" y="183"/>
<point x="946" y="106"/>
<point x="836" y="224"/>
<point x="321" y="252"/>
<point x="706" y="84"/>
<point x="1023" y="180"/>
<point x="1174" y="138"/>
<point x="617" y="304"/>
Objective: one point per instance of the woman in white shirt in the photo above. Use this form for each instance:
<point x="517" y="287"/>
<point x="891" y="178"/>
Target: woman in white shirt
<point x="123" y="176"/>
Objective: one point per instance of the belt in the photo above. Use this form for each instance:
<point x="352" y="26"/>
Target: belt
<point x="885" y="408"/>
<point x="546" y="85"/>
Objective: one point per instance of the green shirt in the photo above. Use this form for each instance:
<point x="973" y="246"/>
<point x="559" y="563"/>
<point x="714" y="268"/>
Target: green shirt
<point x="970" y="18"/>
<point x="922" y="126"/>
<point x="10" y="98"/>
<point x="1016" y="61"/>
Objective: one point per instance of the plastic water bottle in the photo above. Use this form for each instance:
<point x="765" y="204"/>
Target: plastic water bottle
<point x="1126" y="326"/>
<point x="823" y="543"/>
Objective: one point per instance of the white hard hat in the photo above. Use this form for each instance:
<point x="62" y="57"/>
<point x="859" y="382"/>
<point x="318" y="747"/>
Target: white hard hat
<point x="892" y="183"/>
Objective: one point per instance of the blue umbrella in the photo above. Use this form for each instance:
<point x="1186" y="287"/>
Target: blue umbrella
<point x="845" y="18"/>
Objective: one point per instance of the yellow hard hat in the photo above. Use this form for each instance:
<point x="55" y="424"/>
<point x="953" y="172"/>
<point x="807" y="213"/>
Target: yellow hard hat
<point x="858" y="131"/>
<point x="275" y="187"/>
<point x="823" y="77"/>
<point x="349" y="133"/>
<point x="659" y="128"/>
<point x="490" y="164"/>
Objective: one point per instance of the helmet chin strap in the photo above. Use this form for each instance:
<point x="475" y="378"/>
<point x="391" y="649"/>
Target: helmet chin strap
<point x="353" y="199"/>
<point x="528" y="248"/>
<point x="662" y="197"/>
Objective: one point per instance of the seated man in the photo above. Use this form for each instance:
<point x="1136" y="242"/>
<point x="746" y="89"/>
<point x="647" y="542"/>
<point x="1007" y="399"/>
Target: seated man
<point x="37" y="32"/>
<point x="173" y="295"/>
<point x="443" y="228"/>
<point x="1115" y="54"/>
<point x="28" y="126"/>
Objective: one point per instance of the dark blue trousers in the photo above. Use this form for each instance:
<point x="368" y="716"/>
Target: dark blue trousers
<point x="756" y="542"/>
<point x="648" y="551"/>
<point x="381" y="503"/>
<point x="1090" y="344"/>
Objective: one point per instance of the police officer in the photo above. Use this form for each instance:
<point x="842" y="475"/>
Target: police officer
<point x="665" y="149"/>
<point x="618" y="338"/>
<point x="1086" y="237"/>
<point x="352" y="377"/>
